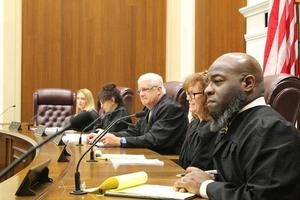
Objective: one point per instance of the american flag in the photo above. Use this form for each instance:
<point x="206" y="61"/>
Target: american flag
<point x="281" y="50"/>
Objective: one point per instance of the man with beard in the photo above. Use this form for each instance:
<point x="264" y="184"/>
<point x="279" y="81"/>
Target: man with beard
<point x="257" y="151"/>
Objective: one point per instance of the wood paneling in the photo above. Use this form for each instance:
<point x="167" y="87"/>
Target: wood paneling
<point x="11" y="148"/>
<point x="220" y="28"/>
<point x="86" y="44"/>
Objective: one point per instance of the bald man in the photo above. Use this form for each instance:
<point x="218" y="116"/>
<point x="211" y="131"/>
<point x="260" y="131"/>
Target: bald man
<point x="257" y="152"/>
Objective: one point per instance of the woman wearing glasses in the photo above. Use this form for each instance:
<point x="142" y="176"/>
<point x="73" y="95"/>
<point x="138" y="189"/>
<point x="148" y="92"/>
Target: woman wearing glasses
<point x="199" y="142"/>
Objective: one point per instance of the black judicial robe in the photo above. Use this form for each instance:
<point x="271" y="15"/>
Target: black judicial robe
<point x="198" y="146"/>
<point x="108" y="118"/>
<point x="258" y="158"/>
<point x="163" y="133"/>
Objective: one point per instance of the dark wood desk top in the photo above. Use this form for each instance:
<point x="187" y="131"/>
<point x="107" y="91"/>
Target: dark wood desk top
<point x="92" y="173"/>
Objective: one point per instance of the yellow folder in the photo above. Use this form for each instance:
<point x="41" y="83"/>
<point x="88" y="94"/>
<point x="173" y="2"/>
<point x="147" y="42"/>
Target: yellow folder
<point x="120" y="182"/>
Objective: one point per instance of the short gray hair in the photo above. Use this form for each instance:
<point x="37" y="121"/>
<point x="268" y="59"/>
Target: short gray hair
<point x="155" y="80"/>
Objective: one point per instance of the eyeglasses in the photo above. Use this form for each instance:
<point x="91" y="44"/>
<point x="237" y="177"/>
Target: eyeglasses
<point x="193" y="94"/>
<point x="145" y="89"/>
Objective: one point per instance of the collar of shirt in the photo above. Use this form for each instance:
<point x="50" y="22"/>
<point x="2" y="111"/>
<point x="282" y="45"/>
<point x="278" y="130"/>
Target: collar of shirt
<point x="260" y="101"/>
<point x="154" y="108"/>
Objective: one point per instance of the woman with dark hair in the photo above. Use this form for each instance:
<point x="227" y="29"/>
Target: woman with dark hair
<point x="112" y="108"/>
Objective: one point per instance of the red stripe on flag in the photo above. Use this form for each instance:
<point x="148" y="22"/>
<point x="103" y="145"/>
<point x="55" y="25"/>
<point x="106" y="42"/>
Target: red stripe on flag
<point x="281" y="49"/>
<point x="272" y="27"/>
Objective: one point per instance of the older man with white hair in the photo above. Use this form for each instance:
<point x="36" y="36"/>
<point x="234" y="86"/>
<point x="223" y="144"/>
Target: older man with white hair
<point x="164" y="126"/>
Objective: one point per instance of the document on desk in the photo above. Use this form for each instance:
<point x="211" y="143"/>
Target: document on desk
<point x="52" y="130"/>
<point x="149" y="191"/>
<point x="133" y="185"/>
<point x="73" y="137"/>
<point x="127" y="159"/>
<point x="116" y="162"/>
<point x="121" y="156"/>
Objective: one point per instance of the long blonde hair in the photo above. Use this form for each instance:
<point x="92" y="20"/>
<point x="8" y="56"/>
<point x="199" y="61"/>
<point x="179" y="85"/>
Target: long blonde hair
<point x="90" y="103"/>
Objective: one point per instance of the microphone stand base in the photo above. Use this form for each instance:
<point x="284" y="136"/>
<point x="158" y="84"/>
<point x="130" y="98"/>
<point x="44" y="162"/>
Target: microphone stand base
<point x="78" y="192"/>
<point x="92" y="161"/>
<point x="79" y="144"/>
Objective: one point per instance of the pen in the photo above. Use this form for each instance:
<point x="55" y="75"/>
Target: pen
<point x="212" y="172"/>
<point x="180" y="175"/>
<point x="102" y="158"/>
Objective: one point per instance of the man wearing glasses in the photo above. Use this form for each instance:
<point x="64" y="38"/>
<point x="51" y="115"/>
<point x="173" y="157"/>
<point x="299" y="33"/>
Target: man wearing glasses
<point x="163" y="128"/>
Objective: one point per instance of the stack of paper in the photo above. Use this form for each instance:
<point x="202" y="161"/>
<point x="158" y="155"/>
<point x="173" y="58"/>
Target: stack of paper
<point x="149" y="191"/>
<point x="129" y="159"/>
<point x="117" y="162"/>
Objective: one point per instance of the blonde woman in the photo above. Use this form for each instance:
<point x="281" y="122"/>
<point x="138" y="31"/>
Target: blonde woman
<point x="84" y="100"/>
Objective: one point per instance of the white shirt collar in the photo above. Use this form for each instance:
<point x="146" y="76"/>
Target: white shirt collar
<point x="260" y="101"/>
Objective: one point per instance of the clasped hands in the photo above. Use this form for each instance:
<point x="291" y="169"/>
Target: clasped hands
<point x="109" y="140"/>
<point x="192" y="180"/>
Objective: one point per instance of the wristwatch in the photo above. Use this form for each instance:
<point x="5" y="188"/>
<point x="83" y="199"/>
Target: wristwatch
<point x="123" y="141"/>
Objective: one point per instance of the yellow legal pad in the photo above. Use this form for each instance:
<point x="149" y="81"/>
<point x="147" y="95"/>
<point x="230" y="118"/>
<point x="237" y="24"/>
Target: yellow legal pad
<point x="133" y="185"/>
<point x="120" y="182"/>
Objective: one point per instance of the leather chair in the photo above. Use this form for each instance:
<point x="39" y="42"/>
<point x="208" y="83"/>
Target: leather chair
<point x="175" y="90"/>
<point x="127" y="96"/>
<point x="282" y="92"/>
<point x="53" y="107"/>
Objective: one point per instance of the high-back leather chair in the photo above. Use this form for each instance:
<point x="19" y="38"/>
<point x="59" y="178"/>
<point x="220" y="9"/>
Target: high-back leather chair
<point x="282" y="92"/>
<point x="53" y="107"/>
<point x="127" y="96"/>
<point x="175" y="90"/>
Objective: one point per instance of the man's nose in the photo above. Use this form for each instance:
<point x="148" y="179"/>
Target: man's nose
<point x="208" y="90"/>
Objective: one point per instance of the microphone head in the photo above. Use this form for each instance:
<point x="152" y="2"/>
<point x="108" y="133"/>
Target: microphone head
<point x="140" y="114"/>
<point x="81" y="120"/>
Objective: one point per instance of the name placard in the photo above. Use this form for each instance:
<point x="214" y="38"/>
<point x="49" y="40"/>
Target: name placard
<point x="15" y="126"/>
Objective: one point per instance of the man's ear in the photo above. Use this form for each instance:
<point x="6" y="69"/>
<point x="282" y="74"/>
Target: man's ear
<point x="248" y="82"/>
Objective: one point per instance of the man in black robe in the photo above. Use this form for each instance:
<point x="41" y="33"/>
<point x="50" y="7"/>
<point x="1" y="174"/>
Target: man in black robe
<point x="163" y="129"/>
<point x="257" y="151"/>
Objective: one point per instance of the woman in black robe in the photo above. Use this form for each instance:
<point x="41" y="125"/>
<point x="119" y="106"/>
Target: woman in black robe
<point x="199" y="142"/>
<point x="112" y="108"/>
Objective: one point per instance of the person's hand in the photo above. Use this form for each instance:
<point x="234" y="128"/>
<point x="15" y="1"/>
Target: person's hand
<point x="110" y="140"/>
<point x="91" y="137"/>
<point x="192" y="180"/>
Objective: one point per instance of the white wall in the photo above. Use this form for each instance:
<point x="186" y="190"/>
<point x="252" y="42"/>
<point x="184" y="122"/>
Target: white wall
<point x="180" y="47"/>
<point x="10" y="59"/>
<point x="1" y="55"/>
<point x="256" y="31"/>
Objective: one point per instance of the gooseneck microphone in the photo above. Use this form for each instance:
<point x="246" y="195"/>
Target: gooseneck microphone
<point x="96" y="115"/>
<point x="7" y="109"/>
<point x="78" y="190"/>
<point x="79" y="121"/>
